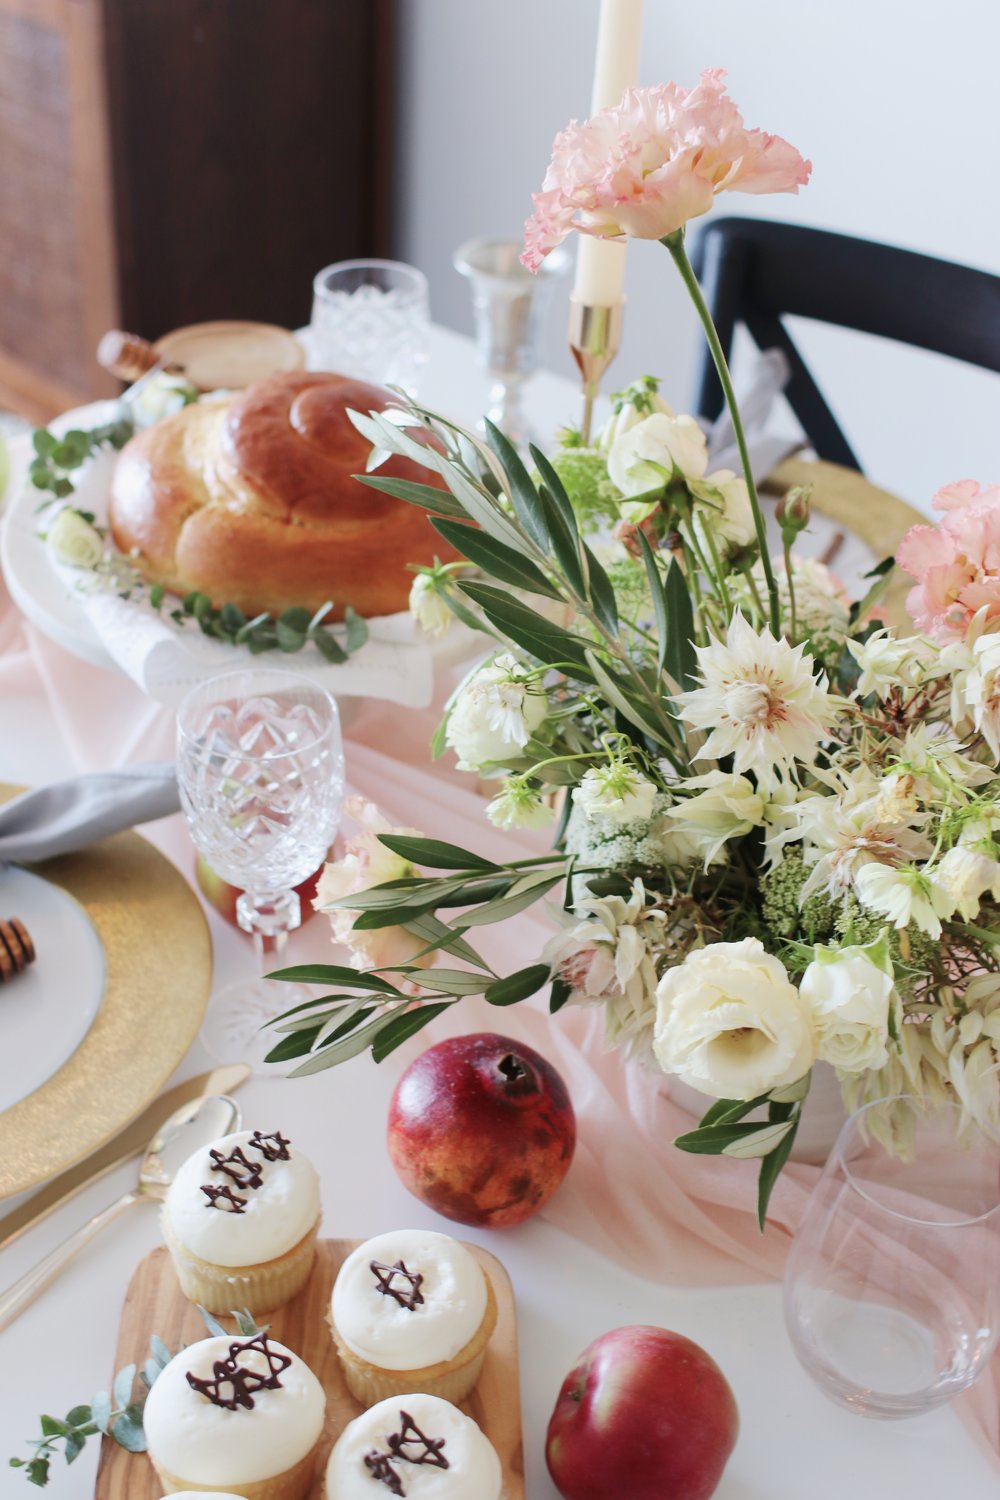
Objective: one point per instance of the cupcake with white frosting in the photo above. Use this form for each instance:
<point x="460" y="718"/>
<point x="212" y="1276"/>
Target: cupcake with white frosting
<point x="240" y="1219"/>
<point x="421" y="1447"/>
<point x="412" y="1310"/>
<point x="242" y="1415"/>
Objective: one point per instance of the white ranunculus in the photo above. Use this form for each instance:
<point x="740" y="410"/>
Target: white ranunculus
<point x="730" y="1022"/>
<point x="73" y="541"/>
<point x="850" y="993"/>
<point x="495" y="714"/>
<point x="725" y="807"/>
<point x="654" y="451"/>
<point x="722" y="510"/>
<point x="427" y="606"/>
<point x="616" y="794"/>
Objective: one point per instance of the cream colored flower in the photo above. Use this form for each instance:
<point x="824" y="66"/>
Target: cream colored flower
<point x="616" y="794"/>
<point x="760" y="703"/>
<point x="427" y="606"/>
<point x="730" y="1022"/>
<point x="654" y="451"/>
<point x="640" y="400"/>
<point x="867" y="820"/>
<point x="851" y="993"/>
<point x="722" y="511"/>
<point x="608" y="957"/>
<point x="966" y="875"/>
<point x="725" y="807"/>
<point x="982" y="690"/>
<point x="367" y="863"/>
<point x="73" y="541"/>
<point x="889" y="661"/>
<point x="495" y="714"/>
<point x="519" y="805"/>
<point x="904" y="895"/>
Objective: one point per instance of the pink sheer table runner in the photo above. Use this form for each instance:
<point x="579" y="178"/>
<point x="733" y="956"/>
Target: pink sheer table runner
<point x="667" y="1216"/>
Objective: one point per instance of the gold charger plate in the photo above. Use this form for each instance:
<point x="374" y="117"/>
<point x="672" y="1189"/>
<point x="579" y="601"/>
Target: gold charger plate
<point x="878" y="518"/>
<point x="158" y="972"/>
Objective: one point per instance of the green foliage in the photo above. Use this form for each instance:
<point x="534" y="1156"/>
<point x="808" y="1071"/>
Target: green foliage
<point x="292" y="630"/>
<point x="584" y="475"/>
<point x="57" y="458"/>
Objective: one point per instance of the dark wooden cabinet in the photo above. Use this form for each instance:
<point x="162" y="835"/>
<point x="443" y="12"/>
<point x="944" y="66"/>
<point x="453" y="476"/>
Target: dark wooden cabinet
<point x="164" y="162"/>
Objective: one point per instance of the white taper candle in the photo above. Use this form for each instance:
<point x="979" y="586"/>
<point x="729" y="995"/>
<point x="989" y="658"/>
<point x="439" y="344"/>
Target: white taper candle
<point x="600" y="264"/>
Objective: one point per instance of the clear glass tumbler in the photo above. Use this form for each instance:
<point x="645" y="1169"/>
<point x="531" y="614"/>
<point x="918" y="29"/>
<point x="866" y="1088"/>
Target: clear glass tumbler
<point x="371" y="320"/>
<point x="260" y="767"/>
<point x="892" y="1289"/>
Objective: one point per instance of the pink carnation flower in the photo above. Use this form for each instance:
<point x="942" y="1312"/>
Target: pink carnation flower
<point x="652" y="162"/>
<point x="956" y="564"/>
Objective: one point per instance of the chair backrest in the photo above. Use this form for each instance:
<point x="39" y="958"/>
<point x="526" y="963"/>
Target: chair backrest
<point x="757" y="273"/>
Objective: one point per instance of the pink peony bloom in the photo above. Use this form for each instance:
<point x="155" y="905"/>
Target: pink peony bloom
<point x="652" y="162"/>
<point x="366" y="863"/>
<point x="956" y="564"/>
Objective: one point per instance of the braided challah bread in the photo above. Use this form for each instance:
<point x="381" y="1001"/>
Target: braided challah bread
<point x="251" y="500"/>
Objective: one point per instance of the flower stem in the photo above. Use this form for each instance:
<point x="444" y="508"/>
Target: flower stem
<point x="675" y="244"/>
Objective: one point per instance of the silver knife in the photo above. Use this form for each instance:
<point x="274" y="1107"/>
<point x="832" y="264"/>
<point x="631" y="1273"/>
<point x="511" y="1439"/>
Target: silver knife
<point x="131" y="1141"/>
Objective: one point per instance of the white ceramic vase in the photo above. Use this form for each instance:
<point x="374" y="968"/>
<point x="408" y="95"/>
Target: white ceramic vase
<point x="822" y="1115"/>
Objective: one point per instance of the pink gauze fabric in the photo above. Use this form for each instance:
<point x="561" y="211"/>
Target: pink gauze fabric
<point x="668" y="1216"/>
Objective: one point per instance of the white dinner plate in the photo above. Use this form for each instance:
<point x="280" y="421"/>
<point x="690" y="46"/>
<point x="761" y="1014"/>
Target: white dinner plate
<point x="47" y="1010"/>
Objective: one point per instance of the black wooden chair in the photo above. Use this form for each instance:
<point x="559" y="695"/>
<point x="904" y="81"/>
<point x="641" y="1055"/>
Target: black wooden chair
<point x="757" y="273"/>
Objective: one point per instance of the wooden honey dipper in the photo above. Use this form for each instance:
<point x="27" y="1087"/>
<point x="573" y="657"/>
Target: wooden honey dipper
<point x="17" y="950"/>
<point x="128" y="357"/>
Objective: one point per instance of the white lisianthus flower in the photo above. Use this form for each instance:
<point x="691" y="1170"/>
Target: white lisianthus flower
<point x="725" y="807"/>
<point x="722" y="509"/>
<point x="851" y="994"/>
<point x="650" y="454"/>
<point x="889" y="661"/>
<point x="730" y="1022"/>
<point x="428" y="607"/>
<point x="365" y="863"/>
<point x="495" y="713"/>
<point x="617" y="794"/>
<point x="966" y="875"/>
<point x="904" y="895"/>
<point x="759" y="702"/>
<point x="519" y="805"/>
<point x="73" y="541"/>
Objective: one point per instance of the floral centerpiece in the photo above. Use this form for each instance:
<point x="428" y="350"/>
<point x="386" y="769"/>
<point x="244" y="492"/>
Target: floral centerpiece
<point x="775" y="820"/>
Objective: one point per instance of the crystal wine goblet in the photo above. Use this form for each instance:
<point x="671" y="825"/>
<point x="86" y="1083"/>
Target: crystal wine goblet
<point x="260" y="767"/>
<point x="892" y="1288"/>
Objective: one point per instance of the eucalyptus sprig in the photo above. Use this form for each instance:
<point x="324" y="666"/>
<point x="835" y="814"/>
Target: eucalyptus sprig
<point x="293" y="628"/>
<point x="56" y="458"/>
<point x="118" y="1414"/>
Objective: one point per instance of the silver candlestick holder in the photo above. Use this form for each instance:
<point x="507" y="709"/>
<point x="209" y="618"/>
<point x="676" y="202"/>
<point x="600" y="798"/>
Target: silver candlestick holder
<point x="509" y="304"/>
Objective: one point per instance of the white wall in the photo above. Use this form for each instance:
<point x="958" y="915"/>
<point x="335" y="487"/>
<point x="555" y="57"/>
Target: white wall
<point x="895" y="101"/>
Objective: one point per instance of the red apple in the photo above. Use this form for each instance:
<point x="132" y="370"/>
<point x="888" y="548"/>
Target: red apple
<point x="645" y="1414"/>
<point x="223" y="896"/>
<point x="481" y="1129"/>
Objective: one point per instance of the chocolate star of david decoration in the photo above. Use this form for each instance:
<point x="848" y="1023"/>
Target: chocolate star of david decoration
<point x="245" y="1174"/>
<point x="386" y="1277"/>
<point x="272" y="1147"/>
<point x="380" y="1467"/>
<point x="409" y="1436"/>
<point x="218" y="1197"/>
<point x="240" y="1380"/>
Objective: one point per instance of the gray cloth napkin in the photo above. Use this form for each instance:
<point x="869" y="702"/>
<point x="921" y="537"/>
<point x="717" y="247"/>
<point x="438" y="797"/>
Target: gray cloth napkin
<point x="70" y="814"/>
<point x="767" y="378"/>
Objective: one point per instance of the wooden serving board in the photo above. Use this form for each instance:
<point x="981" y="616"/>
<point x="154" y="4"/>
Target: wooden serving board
<point x="154" y="1303"/>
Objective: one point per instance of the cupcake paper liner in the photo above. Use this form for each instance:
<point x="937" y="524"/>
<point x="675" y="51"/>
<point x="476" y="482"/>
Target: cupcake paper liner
<point x="291" y="1484"/>
<point x="259" y="1288"/>
<point x="452" y="1379"/>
